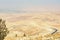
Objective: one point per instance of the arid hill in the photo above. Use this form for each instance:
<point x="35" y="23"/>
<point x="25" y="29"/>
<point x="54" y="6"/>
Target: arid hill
<point x="34" y="26"/>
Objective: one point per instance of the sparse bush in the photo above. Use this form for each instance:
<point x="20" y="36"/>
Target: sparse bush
<point x="3" y="29"/>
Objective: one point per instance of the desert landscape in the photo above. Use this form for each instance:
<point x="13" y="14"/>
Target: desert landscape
<point x="29" y="19"/>
<point x="32" y="26"/>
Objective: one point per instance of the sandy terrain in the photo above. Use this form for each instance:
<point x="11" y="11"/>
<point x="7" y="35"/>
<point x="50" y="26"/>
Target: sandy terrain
<point x="32" y="26"/>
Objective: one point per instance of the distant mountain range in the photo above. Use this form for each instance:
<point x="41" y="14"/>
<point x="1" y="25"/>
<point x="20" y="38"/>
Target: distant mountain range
<point x="10" y="10"/>
<point x="23" y="11"/>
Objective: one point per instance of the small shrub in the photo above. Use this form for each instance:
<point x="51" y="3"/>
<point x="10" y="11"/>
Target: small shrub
<point x="3" y="29"/>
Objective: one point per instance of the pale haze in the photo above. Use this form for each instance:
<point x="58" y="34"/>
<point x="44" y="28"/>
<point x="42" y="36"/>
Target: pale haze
<point x="29" y="5"/>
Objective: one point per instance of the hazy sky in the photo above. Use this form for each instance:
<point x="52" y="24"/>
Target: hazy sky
<point x="30" y="5"/>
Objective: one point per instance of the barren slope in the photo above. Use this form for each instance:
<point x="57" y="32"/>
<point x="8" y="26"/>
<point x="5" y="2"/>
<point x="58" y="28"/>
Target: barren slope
<point x="31" y="25"/>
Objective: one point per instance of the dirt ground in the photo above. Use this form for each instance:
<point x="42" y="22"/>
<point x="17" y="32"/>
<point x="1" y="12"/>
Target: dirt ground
<point x="34" y="26"/>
